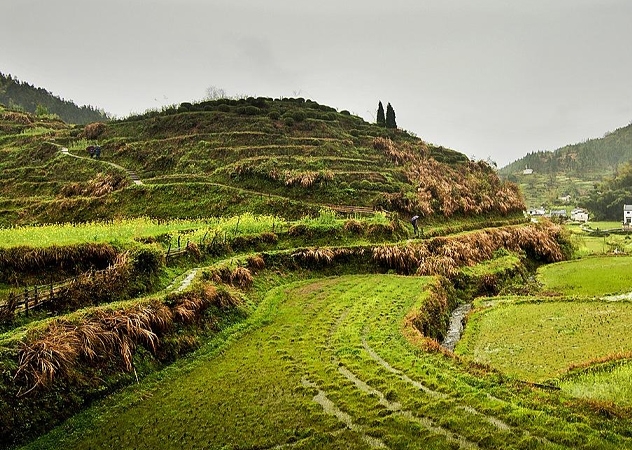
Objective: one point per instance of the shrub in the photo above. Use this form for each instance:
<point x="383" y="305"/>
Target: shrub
<point x="249" y="110"/>
<point x="274" y="115"/>
<point x="298" y="116"/>
<point x="223" y="108"/>
<point x="288" y="121"/>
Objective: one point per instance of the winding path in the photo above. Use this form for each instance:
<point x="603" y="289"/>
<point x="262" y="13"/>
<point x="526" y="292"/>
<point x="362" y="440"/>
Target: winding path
<point x="132" y="175"/>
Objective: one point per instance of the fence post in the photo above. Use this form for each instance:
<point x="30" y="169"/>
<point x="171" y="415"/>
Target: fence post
<point x="26" y="301"/>
<point x="35" y="296"/>
<point x="179" y="236"/>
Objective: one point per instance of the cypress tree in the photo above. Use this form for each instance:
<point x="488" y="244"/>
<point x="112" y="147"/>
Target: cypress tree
<point x="390" y="117"/>
<point x="381" y="120"/>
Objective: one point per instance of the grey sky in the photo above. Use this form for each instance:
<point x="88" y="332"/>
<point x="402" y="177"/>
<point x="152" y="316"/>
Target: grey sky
<point x="490" y="78"/>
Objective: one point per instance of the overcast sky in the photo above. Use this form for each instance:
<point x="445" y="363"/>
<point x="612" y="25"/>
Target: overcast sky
<point x="491" y="78"/>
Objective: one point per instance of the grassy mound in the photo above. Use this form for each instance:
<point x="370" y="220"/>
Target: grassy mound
<point x="287" y="157"/>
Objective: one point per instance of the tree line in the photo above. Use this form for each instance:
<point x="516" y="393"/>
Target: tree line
<point x="23" y="96"/>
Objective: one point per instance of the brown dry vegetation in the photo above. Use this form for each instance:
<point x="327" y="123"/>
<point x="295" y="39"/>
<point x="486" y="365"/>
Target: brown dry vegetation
<point x="443" y="256"/>
<point x="108" y="338"/>
<point x="102" y="184"/>
<point x="94" y="130"/>
<point x="17" y="263"/>
<point x="469" y="189"/>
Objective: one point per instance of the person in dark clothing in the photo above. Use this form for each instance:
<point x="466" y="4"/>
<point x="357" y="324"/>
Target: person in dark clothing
<point x="97" y="151"/>
<point x="91" y="151"/>
<point x="414" y="222"/>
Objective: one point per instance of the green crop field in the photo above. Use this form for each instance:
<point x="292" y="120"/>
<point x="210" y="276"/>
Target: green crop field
<point x="322" y="364"/>
<point x="592" y="276"/>
<point x="541" y="338"/>
<point x="610" y="383"/>
<point x="539" y="341"/>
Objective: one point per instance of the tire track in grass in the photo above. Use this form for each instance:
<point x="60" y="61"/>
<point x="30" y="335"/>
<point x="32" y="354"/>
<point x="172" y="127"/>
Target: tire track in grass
<point x="499" y="424"/>
<point x="330" y="408"/>
<point x="394" y="407"/>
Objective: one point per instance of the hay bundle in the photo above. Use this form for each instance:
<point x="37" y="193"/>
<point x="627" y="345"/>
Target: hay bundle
<point x="256" y="262"/>
<point x="314" y="256"/>
<point x="94" y="130"/>
<point x="193" y="250"/>
<point x="354" y="226"/>
<point x="241" y="277"/>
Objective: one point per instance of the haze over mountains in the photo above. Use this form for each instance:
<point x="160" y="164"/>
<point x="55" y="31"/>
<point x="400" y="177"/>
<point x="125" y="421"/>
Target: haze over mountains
<point x="593" y="157"/>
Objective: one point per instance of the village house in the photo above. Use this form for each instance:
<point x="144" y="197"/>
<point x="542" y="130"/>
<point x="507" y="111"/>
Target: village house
<point x="537" y="211"/>
<point x="565" y="198"/>
<point x="579" y="215"/>
<point x="627" y="216"/>
<point x="560" y="213"/>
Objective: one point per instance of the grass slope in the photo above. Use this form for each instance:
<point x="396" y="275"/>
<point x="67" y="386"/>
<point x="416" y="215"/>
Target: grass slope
<point x="323" y="364"/>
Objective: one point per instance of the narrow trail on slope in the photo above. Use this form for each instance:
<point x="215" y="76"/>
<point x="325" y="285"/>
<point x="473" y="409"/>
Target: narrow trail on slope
<point x="131" y="174"/>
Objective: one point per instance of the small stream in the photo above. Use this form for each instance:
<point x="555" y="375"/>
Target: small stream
<point x="455" y="329"/>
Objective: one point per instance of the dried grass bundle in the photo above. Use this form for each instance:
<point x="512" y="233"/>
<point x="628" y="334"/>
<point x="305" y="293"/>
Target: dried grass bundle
<point x="314" y="256"/>
<point x="48" y="356"/>
<point x="94" y="130"/>
<point x="256" y="262"/>
<point x="241" y="277"/>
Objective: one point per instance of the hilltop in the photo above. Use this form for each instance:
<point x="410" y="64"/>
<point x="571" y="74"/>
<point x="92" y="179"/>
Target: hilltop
<point x="36" y="100"/>
<point x="287" y="157"/>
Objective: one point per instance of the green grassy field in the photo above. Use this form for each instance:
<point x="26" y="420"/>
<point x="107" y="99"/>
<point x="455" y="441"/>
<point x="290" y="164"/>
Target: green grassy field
<point x="540" y="338"/>
<point x="592" y="276"/>
<point x="324" y="364"/>
<point x="610" y="383"/>
<point x="539" y="341"/>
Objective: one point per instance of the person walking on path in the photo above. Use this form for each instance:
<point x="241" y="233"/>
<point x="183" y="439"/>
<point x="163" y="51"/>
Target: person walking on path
<point x="414" y="222"/>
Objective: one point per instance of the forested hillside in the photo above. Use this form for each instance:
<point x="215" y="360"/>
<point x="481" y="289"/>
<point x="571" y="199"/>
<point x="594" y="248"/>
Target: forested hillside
<point x="606" y="202"/>
<point x="592" y="157"/>
<point x="18" y="94"/>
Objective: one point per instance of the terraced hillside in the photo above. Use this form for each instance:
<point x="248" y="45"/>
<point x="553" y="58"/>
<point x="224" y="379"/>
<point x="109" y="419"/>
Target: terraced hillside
<point x="288" y="157"/>
<point x="301" y="328"/>
<point x="297" y="347"/>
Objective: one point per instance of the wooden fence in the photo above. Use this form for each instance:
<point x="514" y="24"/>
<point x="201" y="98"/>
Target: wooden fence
<point x="35" y="296"/>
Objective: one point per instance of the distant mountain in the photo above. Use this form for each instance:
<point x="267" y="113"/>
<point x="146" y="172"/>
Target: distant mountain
<point x="21" y="95"/>
<point x="594" y="157"/>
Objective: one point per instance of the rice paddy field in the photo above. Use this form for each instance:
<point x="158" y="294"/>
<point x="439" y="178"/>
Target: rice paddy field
<point x="328" y="363"/>
<point x="575" y="336"/>
<point x="321" y="354"/>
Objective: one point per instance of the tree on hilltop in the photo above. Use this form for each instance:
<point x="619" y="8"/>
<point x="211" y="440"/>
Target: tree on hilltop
<point x="381" y="119"/>
<point x="390" y="117"/>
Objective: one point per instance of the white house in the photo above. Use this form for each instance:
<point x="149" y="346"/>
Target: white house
<point x="537" y="211"/>
<point x="579" y="215"/>
<point x="627" y="215"/>
<point x="527" y="171"/>
<point x="565" y="198"/>
<point x="561" y="213"/>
